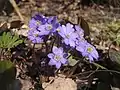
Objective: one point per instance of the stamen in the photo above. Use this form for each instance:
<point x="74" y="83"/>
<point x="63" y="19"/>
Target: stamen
<point x="49" y="27"/>
<point x="67" y="36"/>
<point x="36" y="35"/>
<point x="38" y="22"/>
<point x="58" y="30"/>
<point x="89" y="49"/>
<point x="57" y="57"/>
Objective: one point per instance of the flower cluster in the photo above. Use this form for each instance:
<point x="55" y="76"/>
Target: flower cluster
<point x="72" y="35"/>
<point x="40" y="26"/>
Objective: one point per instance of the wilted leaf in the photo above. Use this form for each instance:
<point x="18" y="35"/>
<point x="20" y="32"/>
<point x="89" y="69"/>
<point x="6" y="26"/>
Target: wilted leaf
<point x="3" y="27"/>
<point x="16" y="24"/>
<point x="84" y="25"/>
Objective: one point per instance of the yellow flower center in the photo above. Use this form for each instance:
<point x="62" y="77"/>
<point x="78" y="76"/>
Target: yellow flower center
<point x="38" y="22"/>
<point x="58" y="30"/>
<point x="49" y="27"/>
<point x="36" y="35"/>
<point x="57" y="58"/>
<point x="67" y="36"/>
<point x="89" y="49"/>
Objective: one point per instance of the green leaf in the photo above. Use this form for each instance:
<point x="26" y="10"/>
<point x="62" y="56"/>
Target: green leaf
<point x="103" y="86"/>
<point x="72" y="61"/>
<point x="4" y="65"/>
<point x="8" y="41"/>
<point x="114" y="26"/>
<point x="13" y="41"/>
<point x="7" y="74"/>
<point x="117" y="40"/>
<point x="114" y="56"/>
<point x="17" y="43"/>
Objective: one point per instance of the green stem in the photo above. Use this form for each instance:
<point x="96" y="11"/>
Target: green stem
<point x="100" y="66"/>
<point x="95" y="64"/>
<point x="74" y="68"/>
<point x="93" y="72"/>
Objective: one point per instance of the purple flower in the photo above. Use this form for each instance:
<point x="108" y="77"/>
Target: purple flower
<point x="40" y="18"/>
<point x="34" y="36"/>
<point x="57" y="57"/>
<point x="53" y="22"/>
<point x="80" y="44"/>
<point x="86" y="49"/>
<point x="89" y="51"/>
<point x="45" y="29"/>
<point x="80" y="41"/>
<point x="79" y="31"/>
<point x="49" y="27"/>
<point x="36" y="21"/>
<point x="68" y="34"/>
<point x="33" y="24"/>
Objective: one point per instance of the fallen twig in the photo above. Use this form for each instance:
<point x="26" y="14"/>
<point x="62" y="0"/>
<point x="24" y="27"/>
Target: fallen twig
<point x="16" y="9"/>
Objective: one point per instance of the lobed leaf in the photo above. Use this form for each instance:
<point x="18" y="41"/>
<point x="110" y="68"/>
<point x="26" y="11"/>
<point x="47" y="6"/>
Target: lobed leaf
<point x="9" y="41"/>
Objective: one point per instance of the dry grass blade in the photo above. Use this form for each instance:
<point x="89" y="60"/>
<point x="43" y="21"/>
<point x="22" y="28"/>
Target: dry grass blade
<point x="16" y="9"/>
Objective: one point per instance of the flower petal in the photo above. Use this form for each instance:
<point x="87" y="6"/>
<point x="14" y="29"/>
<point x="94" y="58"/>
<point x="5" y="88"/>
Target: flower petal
<point x="64" y="31"/>
<point x="74" y="35"/>
<point x="72" y="43"/>
<point x="50" y="55"/>
<point x="95" y="54"/>
<point x="52" y="62"/>
<point x="90" y="58"/>
<point x="54" y="50"/>
<point x="60" y="50"/>
<point x="63" y="61"/>
<point x="80" y="48"/>
<point x="58" y="65"/>
<point x="69" y="28"/>
<point x="66" y="41"/>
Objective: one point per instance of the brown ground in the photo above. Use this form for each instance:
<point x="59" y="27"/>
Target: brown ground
<point x="98" y="17"/>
